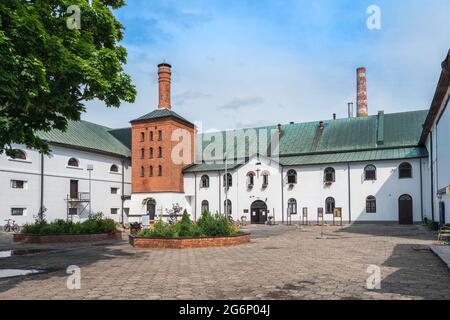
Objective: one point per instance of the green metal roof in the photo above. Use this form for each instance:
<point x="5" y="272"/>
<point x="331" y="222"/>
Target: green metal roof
<point x="161" y="113"/>
<point x="377" y="137"/>
<point x="88" y="136"/>
<point x="211" y="167"/>
<point x="343" y="157"/>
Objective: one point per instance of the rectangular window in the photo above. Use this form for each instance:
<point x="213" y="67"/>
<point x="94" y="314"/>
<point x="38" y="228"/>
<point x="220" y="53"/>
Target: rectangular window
<point x="73" y="211"/>
<point x="18" y="211"/>
<point x="114" y="211"/>
<point x="151" y="135"/>
<point x="114" y="190"/>
<point x="18" y="184"/>
<point x="142" y="136"/>
<point x="159" y="135"/>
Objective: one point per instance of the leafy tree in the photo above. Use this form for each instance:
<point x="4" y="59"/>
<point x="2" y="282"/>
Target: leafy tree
<point x="49" y="66"/>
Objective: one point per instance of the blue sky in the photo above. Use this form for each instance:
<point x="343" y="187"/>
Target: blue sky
<point x="244" y="63"/>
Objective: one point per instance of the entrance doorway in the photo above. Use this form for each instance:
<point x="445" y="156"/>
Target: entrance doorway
<point x="442" y="212"/>
<point x="258" y="212"/>
<point x="405" y="209"/>
<point x="151" y="209"/>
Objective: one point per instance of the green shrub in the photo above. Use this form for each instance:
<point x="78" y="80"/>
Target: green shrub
<point x="95" y="224"/>
<point x="207" y="226"/>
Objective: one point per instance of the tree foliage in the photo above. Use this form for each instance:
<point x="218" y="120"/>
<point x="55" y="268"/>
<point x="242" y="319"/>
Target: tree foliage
<point x="48" y="71"/>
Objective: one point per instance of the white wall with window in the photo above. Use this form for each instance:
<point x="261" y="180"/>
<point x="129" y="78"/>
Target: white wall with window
<point x="20" y="182"/>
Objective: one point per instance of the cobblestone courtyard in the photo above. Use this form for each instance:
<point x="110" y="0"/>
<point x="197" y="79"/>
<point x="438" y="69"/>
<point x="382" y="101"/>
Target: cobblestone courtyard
<point x="281" y="262"/>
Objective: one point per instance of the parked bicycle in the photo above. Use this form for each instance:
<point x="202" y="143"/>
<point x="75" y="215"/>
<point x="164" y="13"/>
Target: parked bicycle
<point x="11" y="227"/>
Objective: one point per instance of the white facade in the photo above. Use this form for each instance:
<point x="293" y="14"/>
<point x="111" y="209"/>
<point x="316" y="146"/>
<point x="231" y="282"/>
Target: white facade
<point x="57" y="176"/>
<point x="310" y="191"/>
<point x="437" y="165"/>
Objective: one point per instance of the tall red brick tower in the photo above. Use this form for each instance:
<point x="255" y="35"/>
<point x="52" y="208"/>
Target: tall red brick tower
<point x="361" y="93"/>
<point x="155" y="167"/>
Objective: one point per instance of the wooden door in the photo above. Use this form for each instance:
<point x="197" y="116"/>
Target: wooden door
<point x="405" y="209"/>
<point x="74" y="189"/>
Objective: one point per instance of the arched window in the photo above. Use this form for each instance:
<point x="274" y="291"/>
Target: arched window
<point x="73" y="163"/>
<point x="142" y="136"/>
<point x="292" y="176"/>
<point x="204" y="182"/>
<point x="370" y="172"/>
<point x="371" y="204"/>
<point x="19" y="154"/>
<point x="330" y="204"/>
<point x="265" y="175"/>
<point x="114" y="168"/>
<point x="227" y="206"/>
<point x="250" y="179"/>
<point x="159" y="170"/>
<point x="151" y="171"/>
<point x="142" y="172"/>
<point x="405" y="170"/>
<point x="227" y="180"/>
<point x="159" y="152"/>
<point x="142" y="153"/>
<point x="151" y="135"/>
<point x="205" y="206"/>
<point x="292" y="206"/>
<point x="151" y="153"/>
<point x="329" y="175"/>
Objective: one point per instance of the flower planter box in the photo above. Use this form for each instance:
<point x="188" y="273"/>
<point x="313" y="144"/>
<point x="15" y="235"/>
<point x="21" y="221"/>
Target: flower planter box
<point x="184" y="243"/>
<point x="65" y="238"/>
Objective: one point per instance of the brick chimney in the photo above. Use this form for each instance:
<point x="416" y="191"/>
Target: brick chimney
<point x="362" y="109"/>
<point x="164" y="74"/>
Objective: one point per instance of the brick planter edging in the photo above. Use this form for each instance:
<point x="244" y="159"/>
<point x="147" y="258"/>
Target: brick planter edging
<point x="184" y="243"/>
<point x="65" y="238"/>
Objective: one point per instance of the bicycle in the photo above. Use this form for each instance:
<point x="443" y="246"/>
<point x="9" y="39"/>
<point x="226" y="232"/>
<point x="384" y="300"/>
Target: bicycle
<point x="11" y="227"/>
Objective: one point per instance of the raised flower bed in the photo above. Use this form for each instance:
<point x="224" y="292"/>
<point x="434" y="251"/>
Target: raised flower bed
<point x="96" y="228"/>
<point x="209" y="231"/>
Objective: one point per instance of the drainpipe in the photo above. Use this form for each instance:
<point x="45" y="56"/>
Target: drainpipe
<point x="282" y="197"/>
<point x="123" y="191"/>
<point x="220" y="191"/>
<point x="195" y="196"/>
<point x="349" y="195"/>
<point x="421" y="190"/>
<point x="41" y="207"/>
<point x="432" y="176"/>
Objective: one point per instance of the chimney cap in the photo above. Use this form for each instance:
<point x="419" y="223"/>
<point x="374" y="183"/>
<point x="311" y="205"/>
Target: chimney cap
<point x="164" y="64"/>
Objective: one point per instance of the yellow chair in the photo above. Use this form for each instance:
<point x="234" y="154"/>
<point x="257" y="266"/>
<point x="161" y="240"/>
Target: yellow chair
<point x="444" y="233"/>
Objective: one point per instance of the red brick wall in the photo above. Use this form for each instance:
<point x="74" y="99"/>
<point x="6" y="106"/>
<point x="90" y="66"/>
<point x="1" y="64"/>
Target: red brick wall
<point x="172" y="177"/>
<point x="29" y="238"/>
<point x="189" y="242"/>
